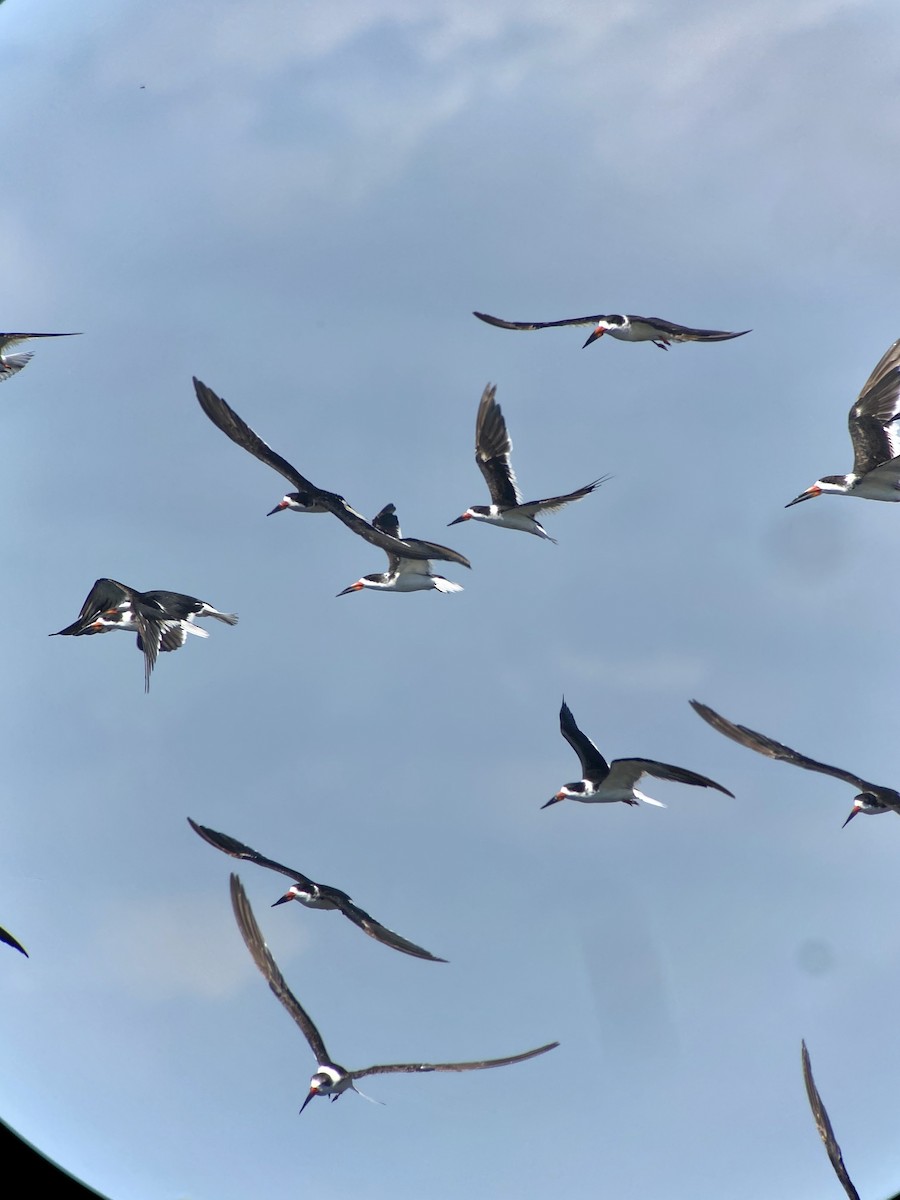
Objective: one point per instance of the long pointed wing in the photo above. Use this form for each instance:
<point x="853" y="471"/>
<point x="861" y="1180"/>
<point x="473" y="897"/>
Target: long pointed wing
<point x="230" y="845"/>
<point x="463" y="1066"/>
<point x="501" y="324"/>
<point x="12" y="339"/>
<point x="593" y="764"/>
<point x="382" y="934"/>
<point x="874" y="434"/>
<point x="8" y="940"/>
<point x="826" y="1133"/>
<point x="553" y="503"/>
<point x="493" y="447"/>
<point x="625" y="772"/>
<point x="150" y="632"/>
<point x="772" y="749"/>
<point x="262" y="956"/>
<point x="225" y="418"/>
<point x="685" y="333"/>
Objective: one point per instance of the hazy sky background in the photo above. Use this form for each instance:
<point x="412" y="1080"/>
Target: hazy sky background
<point x="301" y="204"/>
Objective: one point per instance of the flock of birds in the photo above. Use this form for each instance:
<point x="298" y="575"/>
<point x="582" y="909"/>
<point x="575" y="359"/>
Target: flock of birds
<point x="162" y="621"/>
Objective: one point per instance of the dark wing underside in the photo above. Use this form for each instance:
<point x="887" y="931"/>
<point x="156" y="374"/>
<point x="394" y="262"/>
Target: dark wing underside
<point x="381" y="933"/>
<point x="871" y="422"/>
<point x="772" y="749"/>
<point x="593" y="765"/>
<point x="537" y="324"/>
<point x="8" y="340"/>
<point x="826" y="1133"/>
<point x="262" y="956"/>
<point x="493" y="447"/>
<point x="225" y="418"/>
<point x="415" y="1068"/>
<point x="8" y="940"/>
<point x="230" y="845"/>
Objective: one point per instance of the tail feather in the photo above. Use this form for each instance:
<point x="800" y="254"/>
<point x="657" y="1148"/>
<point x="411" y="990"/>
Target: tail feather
<point x="445" y="585"/>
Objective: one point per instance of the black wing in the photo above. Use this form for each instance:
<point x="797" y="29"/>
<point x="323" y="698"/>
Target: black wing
<point x="9" y="940"/>
<point x="772" y="749"/>
<point x="493" y="447"/>
<point x="625" y="772"/>
<point x="874" y="436"/>
<point x="387" y="521"/>
<point x="262" y="956"/>
<point x="826" y="1133"/>
<point x="685" y="333"/>
<point x="378" y="931"/>
<point x="462" y="1066"/>
<point x="12" y="339"/>
<point x="593" y="765"/>
<point x="225" y="418"/>
<point x="537" y="324"/>
<point x="230" y="845"/>
<point x="553" y="503"/>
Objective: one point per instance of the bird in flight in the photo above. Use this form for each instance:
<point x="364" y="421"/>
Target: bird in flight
<point x="313" y="895"/>
<point x="330" y="1079"/>
<point x="493" y="447"/>
<point x="875" y="437"/>
<point x="625" y="329"/>
<point x="161" y="619"/>
<point x="309" y="498"/>
<point x="826" y="1133"/>
<point x="873" y="798"/>
<point x="10" y="363"/>
<point x="404" y="574"/>
<point x="604" y="783"/>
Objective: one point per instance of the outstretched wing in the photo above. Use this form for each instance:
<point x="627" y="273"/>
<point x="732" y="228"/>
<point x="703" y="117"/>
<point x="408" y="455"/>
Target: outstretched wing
<point x="462" y="1066"/>
<point x="493" y="447"/>
<point x="685" y="333"/>
<point x="8" y="940"/>
<point x="553" y="503"/>
<point x="380" y="932"/>
<point x="826" y="1133"/>
<point x="230" y="845"/>
<point x="593" y="765"/>
<point x="625" y="772"/>
<point x="262" y="956"/>
<point x="592" y="320"/>
<point x="772" y="749"/>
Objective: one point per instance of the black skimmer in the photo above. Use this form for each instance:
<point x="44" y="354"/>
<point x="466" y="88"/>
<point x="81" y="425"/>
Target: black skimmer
<point x="8" y="940"/>
<point x="181" y="612"/>
<point x="873" y="798"/>
<point x="604" y="783"/>
<point x="625" y="329"/>
<point x="10" y="363"/>
<point x="826" y="1133"/>
<point x="493" y="447"/>
<point x="314" y="895"/>
<point x="161" y="619"/>
<point x="308" y="498"/>
<point x="329" y="1078"/>
<point x="404" y="574"/>
<point x="875" y="438"/>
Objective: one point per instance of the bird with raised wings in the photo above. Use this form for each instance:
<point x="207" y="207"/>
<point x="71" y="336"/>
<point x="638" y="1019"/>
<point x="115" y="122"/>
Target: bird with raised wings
<point x="11" y="363"/>
<point x="605" y="782"/>
<point x="308" y="498"/>
<point x="313" y="895"/>
<point x="493" y="447"/>
<point x="330" y="1079"/>
<point x="404" y="574"/>
<point x="160" y="619"/>
<point x="873" y="798"/>
<point x="624" y="328"/>
<point x="875" y="438"/>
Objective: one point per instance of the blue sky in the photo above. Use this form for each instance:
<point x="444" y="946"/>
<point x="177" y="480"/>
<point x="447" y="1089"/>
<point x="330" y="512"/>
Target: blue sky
<point x="301" y="204"/>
